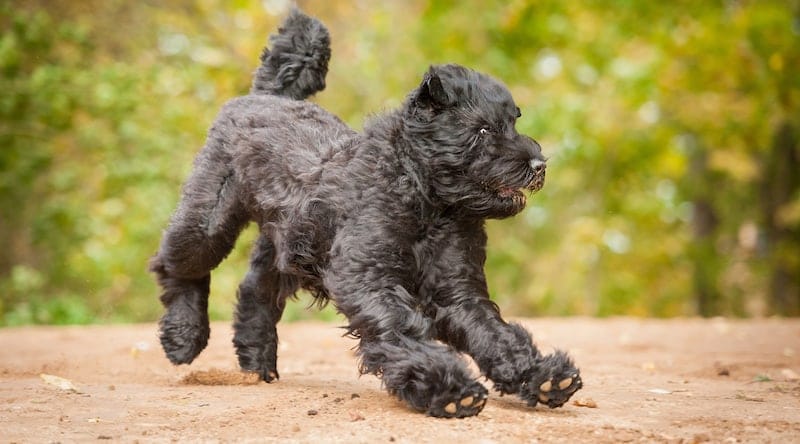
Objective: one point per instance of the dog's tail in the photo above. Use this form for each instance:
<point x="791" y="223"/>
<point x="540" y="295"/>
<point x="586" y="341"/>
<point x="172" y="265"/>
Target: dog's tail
<point x="296" y="65"/>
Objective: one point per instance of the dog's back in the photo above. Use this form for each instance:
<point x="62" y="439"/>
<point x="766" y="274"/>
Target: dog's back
<point x="276" y="142"/>
<point x="276" y="135"/>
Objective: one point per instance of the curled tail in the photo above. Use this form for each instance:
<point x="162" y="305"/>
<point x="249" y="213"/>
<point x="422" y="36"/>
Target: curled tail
<point x="296" y="65"/>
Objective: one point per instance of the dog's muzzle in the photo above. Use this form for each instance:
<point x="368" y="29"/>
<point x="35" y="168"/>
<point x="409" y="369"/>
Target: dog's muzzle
<point x="539" y="166"/>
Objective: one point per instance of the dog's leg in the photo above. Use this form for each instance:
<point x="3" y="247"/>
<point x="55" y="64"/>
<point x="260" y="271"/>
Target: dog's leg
<point x="428" y="376"/>
<point x="261" y="300"/>
<point x="183" y="329"/>
<point x="467" y="320"/>
<point x="506" y="354"/>
<point x="367" y="270"/>
<point x="202" y="232"/>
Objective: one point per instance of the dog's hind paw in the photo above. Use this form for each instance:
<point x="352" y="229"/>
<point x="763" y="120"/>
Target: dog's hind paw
<point x="183" y="342"/>
<point x="267" y="372"/>
<point x="470" y="403"/>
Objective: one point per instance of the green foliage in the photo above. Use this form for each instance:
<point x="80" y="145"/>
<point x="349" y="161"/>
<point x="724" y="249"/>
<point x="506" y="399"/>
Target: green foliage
<point x="647" y="110"/>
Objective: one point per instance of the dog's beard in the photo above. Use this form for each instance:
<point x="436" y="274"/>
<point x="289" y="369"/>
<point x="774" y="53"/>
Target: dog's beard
<point x="497" y="198"/>
<point x="492" y="204"/>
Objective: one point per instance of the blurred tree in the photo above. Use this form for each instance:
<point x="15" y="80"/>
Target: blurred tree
<point x="780" y="208"/>
<point x="656" y="116"/>
<point x="672" y="130"/>
<point x="730" y="94"/>
<point x="38" y="64"/>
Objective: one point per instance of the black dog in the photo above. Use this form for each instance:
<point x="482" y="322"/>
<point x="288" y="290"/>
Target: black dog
<point x="387" y="224"/>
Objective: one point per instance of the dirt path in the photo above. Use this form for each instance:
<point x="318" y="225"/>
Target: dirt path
<point x="653" y="381"/>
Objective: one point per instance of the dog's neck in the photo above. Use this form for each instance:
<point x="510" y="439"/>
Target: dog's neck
<point x="413" y="164"/>
<point x="415" y="169"/>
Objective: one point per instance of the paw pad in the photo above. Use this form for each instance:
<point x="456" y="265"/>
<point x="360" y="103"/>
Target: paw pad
<point x="467" y="406"/>
<point x="555" y="392"/>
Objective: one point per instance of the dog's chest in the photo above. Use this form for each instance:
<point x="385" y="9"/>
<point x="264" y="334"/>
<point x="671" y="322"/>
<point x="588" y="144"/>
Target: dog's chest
<point x="428" y="249"/>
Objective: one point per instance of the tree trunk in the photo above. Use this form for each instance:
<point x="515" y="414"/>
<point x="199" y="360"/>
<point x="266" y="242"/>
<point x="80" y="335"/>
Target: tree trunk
<point x="703" y="251"/>
<point x="781" y="188"/>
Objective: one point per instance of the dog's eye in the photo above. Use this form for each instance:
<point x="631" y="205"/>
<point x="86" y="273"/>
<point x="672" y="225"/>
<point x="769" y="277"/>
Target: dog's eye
<point x="484" y="131"/>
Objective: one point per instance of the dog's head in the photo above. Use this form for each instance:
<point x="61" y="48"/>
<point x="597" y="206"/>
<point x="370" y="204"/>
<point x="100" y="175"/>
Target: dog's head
<point x="463" y="124"/>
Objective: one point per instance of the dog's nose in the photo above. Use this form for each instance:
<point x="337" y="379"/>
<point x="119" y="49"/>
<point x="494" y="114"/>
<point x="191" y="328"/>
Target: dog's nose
<point x="529" y="148"/>
<point x="538" y="165"/>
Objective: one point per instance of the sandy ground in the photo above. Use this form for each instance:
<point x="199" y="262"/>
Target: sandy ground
<point x="651" y="381"/>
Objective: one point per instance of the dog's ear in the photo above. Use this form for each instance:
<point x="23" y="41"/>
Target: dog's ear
<point x="431" y="92"/>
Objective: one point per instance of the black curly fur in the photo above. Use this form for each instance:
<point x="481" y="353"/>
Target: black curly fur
<point x="296" y="65"/>
<point x="387" y="224"/>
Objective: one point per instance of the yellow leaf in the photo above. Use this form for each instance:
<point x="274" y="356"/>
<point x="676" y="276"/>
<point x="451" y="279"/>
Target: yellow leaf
<point x="59" y="382"/>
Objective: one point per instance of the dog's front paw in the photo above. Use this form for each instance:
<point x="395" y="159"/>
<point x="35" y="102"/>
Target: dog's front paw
<point x="554" y="380"/>
<point x="469" y="402"/>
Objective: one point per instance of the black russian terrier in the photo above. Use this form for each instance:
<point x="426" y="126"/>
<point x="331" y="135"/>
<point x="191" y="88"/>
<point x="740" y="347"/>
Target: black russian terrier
<point x="387" y="224"/>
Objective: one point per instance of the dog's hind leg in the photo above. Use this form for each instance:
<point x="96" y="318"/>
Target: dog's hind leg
<point x="261" y="300"/>
<point x="202" y="232"/>
<point x="183" y="329"/>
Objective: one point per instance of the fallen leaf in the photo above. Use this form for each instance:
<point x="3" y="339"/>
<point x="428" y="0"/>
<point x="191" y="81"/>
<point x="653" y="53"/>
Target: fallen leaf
<point x="789" y="374"/>
<point x="660" y="391"/>
<point x="585" y="402"/>
<point x="59" y="382"/>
